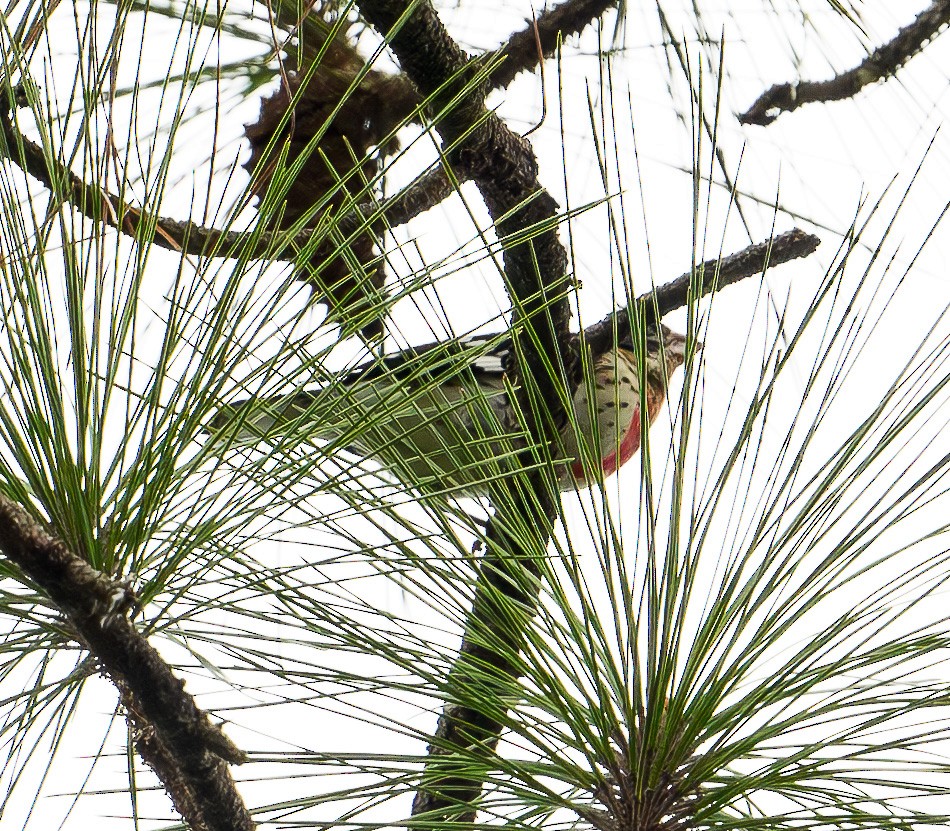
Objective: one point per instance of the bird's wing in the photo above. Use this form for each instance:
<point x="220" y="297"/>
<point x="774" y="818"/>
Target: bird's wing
<point x="485" y="355"/>
<point x="430" y="366"/>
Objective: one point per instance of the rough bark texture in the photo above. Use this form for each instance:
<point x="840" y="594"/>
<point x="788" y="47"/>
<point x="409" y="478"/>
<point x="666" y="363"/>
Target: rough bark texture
<point x="96" y="608"/>
<point x="526" y="49"/>
<point x="706" y="278"/>
<point x="502" y="165"/>
<point x="883" y="62"/>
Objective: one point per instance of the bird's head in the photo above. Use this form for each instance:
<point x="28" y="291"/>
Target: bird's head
<point x="666" y="350"/>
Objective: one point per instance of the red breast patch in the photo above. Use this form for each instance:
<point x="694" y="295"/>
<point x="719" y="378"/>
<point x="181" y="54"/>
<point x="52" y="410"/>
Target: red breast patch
<point x="630" y="441"/>
<point x="629" y="444"/>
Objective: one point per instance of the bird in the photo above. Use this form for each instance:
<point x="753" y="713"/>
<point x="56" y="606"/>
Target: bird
<point x="439" y="417"/>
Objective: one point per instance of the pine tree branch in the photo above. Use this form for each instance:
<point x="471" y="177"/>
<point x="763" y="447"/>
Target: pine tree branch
<point x="526" y="49"/>
<point x="96" y="608"/>
<point x="505" y="170"/>
<point x="523" y="51"/>
<point x="506" y="597"/>
<point x="101" y="206"/>
<point x="708" y="277"/>
<point x="520" y="53"/>
<point x="883" y="62"/>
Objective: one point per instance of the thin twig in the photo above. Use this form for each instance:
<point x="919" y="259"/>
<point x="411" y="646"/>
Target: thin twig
<point x="883" y="62"/>
<point x="96" y="608"/>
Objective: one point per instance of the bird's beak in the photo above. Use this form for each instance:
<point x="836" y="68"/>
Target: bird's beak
<point x="675" y="345"/>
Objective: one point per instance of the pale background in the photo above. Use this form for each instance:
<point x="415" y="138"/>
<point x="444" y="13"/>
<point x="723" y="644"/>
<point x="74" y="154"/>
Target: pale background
<point x="821" y="165"/>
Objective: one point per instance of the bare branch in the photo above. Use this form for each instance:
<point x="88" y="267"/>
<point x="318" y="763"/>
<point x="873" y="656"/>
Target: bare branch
<point x="552" y="27"/>
<point x="519" y="54"/>
<point x="101" y="206"/>
<point x="883" y="62"/>
<point x="425" y="193"/>
<point x="97" y="609"/>
<point x="706" y="278"/>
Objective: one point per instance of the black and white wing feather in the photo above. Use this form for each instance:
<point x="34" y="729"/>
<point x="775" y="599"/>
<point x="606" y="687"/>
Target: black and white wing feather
<point x="450" y="365"/>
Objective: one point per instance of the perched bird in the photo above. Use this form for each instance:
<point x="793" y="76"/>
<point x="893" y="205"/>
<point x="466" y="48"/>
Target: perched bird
<point x="440" y="427"/>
